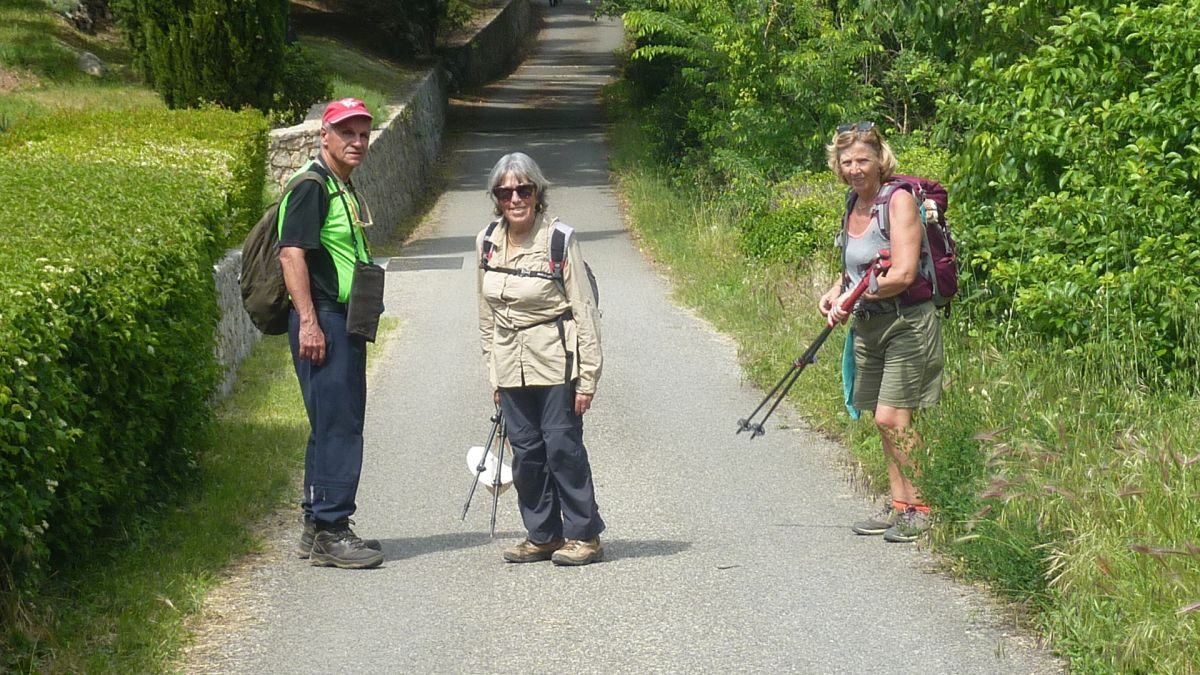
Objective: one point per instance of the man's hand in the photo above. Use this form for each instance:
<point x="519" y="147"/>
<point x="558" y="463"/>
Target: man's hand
<point x="582" y="403"/>
<point x="312" y="342"/>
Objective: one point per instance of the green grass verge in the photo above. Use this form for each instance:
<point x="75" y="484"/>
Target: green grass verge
<point x="125" y="606"/>
<point x="38" y="51"/>
<point x="353" y="73"/>
<point x="1074" y="489"/>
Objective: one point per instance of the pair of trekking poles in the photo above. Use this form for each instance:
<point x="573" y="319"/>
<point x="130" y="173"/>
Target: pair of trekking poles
<point x="879" y="266"/>
<point x="499" y="435"/>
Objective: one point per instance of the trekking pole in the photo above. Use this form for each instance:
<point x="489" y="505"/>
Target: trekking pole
<point x="780" y="391"/>
<point x="496" y="477"/>
<point x="482" y="466"/>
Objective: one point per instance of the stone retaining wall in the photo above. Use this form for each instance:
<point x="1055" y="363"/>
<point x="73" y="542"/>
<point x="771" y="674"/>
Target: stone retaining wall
<point x="494" y="51"/>
<point x="403" y="151"/>
<point x="396" y="171"/>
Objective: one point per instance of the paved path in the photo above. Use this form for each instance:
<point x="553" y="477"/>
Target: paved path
<point x="723" y="555"/>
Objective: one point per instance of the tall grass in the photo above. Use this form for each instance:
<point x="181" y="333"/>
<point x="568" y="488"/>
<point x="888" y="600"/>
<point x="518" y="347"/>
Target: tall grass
<point x="38" y="50"/>
<point x="355" y="74"/>
<point x="1066" y="483"/>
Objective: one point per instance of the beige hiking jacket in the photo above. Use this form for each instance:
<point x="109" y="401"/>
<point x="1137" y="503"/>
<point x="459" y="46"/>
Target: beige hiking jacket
<point x="516" y="315"/>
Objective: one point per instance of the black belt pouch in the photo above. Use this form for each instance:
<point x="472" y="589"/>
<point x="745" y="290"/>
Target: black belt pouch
<point x="366" y="301"/>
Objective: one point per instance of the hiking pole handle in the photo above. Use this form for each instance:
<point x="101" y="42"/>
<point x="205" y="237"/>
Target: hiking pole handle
<point x="878" y="267"/>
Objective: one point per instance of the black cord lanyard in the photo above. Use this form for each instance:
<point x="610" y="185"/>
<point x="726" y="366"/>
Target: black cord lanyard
<point x="355" y="220"/>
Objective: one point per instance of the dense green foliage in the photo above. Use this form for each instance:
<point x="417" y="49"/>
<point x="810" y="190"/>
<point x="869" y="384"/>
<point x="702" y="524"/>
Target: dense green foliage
<point x="1074" y="137"/>
<point x="1079" y="179"/>
<point x="1062" y="463"/>
<point x="228" y="53"/>
<point x="302" y="83"/>
<point x="107" y="313"/>
<point x="749" y="88"/>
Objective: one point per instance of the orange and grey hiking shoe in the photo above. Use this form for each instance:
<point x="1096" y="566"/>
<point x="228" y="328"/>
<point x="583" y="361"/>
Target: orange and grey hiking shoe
<point x="910" y="525"/>
<point x="878" y="523"/>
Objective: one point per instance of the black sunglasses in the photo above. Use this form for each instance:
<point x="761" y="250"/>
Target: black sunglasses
<point x="524" y="191"/>
<point x="857" y="126"/>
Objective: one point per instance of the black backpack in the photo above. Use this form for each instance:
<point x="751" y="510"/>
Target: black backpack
<point x="559" y="240"/>
<point x="264" y="295"/>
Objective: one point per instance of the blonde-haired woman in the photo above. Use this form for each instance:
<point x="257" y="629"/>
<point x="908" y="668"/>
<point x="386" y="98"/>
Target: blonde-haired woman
<point x="897" y="335"/>
<point x="541" y="338"/>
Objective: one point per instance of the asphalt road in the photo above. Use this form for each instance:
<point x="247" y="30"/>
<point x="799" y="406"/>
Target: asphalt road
<point x="722" y="554"/>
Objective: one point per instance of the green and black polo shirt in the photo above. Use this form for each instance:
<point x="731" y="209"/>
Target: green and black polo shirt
<point x="319" y="222"/>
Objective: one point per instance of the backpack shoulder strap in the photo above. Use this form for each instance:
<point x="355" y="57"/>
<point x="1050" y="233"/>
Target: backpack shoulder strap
<point x="883" y="201"/>
<point x="301" y="177"/>
<point x="560" y="239"/>
<point x="485" y="248"/>
<point x="851" y="197"/>
<point x="292" y="184"/>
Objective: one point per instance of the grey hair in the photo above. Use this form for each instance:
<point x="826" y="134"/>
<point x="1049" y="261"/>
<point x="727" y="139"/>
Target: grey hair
<point x="525" y="170"/>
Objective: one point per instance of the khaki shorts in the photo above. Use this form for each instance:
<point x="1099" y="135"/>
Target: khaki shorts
<point x="898" y="358"/>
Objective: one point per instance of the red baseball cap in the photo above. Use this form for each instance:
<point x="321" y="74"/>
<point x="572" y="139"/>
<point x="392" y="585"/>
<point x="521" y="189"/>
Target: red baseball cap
<point x="344" y="109"/>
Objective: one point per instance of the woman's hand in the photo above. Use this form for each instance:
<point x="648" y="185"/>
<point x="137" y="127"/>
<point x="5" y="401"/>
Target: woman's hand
<point x="582" y="403"/>
<point x="830" y="305"/>
<point x="496" y="397"/>
<point x="836" y="314"/>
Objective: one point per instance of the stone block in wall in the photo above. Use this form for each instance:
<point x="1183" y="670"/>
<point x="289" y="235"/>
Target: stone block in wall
<point x="236" y="334"/>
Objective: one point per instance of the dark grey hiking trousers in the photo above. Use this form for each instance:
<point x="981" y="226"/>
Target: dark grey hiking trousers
<point x="550" y="465"/>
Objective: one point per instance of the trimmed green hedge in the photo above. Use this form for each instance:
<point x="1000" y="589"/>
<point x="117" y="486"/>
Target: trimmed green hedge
<point x="225" y="150"/>
<point x="107" y="313"/>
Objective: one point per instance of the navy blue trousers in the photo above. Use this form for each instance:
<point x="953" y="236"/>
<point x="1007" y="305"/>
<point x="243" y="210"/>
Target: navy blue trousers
<point x="550" y="465"/>
<point x="335" y="397"/>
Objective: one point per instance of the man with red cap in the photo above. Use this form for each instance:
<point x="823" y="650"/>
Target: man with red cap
<point x="321" y="241"/>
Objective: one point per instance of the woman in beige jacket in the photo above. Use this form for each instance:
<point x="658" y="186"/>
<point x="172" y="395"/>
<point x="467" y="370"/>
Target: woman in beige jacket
<point x="541" y="337"/>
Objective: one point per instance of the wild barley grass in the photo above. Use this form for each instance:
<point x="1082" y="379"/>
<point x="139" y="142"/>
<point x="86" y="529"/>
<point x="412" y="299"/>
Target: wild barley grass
<point x="1068" y="481"/>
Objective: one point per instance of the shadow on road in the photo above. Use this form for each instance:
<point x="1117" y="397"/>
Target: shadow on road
<point x="411" y="547"/>
<point x="617" y="549"/>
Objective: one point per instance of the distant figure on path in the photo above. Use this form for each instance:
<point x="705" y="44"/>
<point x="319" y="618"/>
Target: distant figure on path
<point x="897" y="345"/>
<point x="541" y="340"/>
<point x="321" y="242"/>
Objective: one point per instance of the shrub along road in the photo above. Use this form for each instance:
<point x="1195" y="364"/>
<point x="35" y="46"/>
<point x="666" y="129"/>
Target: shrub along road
<point x="723" y="554"/>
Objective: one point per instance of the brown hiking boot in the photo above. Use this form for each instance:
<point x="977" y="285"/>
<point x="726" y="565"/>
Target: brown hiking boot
<point x="527" y="551"/>
<point x="579" y="552"/>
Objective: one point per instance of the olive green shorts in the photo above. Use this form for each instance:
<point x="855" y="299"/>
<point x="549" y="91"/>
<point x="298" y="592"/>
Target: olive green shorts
<point x="898" y="358"/>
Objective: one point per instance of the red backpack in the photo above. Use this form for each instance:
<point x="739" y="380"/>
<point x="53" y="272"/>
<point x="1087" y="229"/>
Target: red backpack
<point x="937" y="279"/>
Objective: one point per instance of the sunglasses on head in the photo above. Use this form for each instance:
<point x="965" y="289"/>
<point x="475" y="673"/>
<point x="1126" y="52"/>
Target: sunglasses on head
<point x="524" y="191"/>
<point x="856" y="126"/>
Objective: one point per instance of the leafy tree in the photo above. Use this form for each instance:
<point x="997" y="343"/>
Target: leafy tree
<point x="754" y="86"/>
<point x="1078" y="176"/>
<point x="229" y="52"/>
